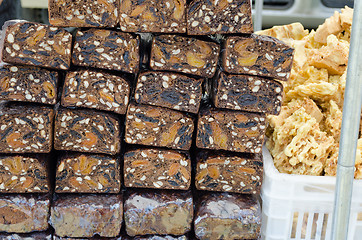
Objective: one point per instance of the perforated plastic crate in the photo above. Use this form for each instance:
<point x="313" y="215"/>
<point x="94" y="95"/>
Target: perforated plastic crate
<point x="301" y="207"/>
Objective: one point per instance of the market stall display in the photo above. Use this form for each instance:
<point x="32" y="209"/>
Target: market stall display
<point x="132" y="107"/>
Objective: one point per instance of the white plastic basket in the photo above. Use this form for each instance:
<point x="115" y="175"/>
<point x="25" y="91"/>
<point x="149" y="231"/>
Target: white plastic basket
<point x="301" y="207"/>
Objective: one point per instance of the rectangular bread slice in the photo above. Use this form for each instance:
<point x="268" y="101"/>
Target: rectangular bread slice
<point x="153" y="16"/>
<point x="230" y="130"/>
<point x="229" y="172"/>
<point x="184" y="54"/>
<point x="87" y="173"/>
<point x="24" y="213"/>
<point x="28" y="84"/>
<point x="248" y="93"/>
<point x="85" y="216"/>
<point x="171" y="90"/>
<point x="158" y="213"/>
<point x="157" y="168"/>
<point x="227" y="216"/>
<point x="87" y="131"/>
<point x="257" y="55"/>
<point x="38" y="45"/>
<point x="24" y="173"/>
<point x="97" y="90"/>
<point x="26" y="129"/>
<point x="106" y="49"/>
<point x="219" y="17"/>
<point x="159" y="127"/>
<point x="69" y="13"/>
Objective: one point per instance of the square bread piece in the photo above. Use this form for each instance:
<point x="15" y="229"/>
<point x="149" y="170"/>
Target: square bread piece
<point x="156" y="212"/>
<point x="70" y="13"/>
<point x="37" y="44"/>
<point x="87" y="131"/>
<point x="159" y="127"/>
<point x="26" y="129"/>
<point x="248" y="93"/>
<point x="106" y="49"/>
<point x="88" y="173"/>
<point x="24" y="213"/>
<point x="24" y="173"/>
<point x="28" y="84"/>
<point x="257" y="55"/>
<point x="235" y="131"/>
<point x="87" y="215"/>
<point x="229" y="172"/>
<point x="185" y="55"/>
<point x="227" y="216"/>
<point x="171" y="90"/>
<point x="153" y="16"/>
<point x="219" y="17"/>
<point x="97" y="90"/>
<point x="157" y="168"/>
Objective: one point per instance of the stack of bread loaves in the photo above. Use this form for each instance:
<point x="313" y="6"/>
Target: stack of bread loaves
<point x="151" y="111"/>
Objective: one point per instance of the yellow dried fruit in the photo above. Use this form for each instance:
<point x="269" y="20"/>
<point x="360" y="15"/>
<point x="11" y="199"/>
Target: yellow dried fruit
<point x="75" y="183"/>
<point x="14" y="140"/>
<point x="154" y="112"/>
<point x="169" y="137"/>
<point x="36" y="37"/>
<point x="220" y="138"/>
<point x="215" y="161"/>
<point x="138" y="163"/>
<point x="200" y="175"/>
<point x="248" y="60"/>
<point x="149" y="16"/>
<point x="184" y="173"/>
<point x="90" y="140"/>
<point x="91" y="183"/>
<point x="85" y="164"/>
<point x="138" y="10"/>
<point x="102" y="180"/>
<point x="49" y="89"/>
<point x="174" y="168"/>
<point x="247" y="170"/>
<point x="194" y="61"/>
<point x="15" y="165"/>
<point x="156" y="51"/>
<point x="179" y="9"/>
<point x="252" y="133"/>
<point x="105" y="3"/>
<point x="92" y="99"/>
<point x="102" y="33"/>
<point x="213" y="172"/>
<point x="29" y="182"/>
<point x="4" y="83"/>
<point x="59" y="49"/>
<point x="138" y="125"/>
<point x="56" y="22"/>
<point x="204" y="48"/>
<point x="241" y="46"/>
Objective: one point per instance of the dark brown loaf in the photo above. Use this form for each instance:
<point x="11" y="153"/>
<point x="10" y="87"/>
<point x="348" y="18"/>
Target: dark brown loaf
<point x="38" y="45"/>
<point x="160" y="127"/>
<point x="28" y="84"/>
<point x="158" y="213"/>
<point x="87" y="215"/>
<point x="224" y="16"/>
<point x="26" y="129"/>
<point x="258" y="55"/>
<point x="69" y="13"/>
<point x="106" y="49"/>
<point x="88" y="173"/>
<point x="230" y="130"/>
<point x="184" y="54"/>
<point x="171" y="90"/>
<point x="24" y="174"/>
<point x="24" y="213"/>
<point x="227" y="216"/>
<point x="86" y="131"/>
<point x="153" y="16"/>
<point x="229" y="172"/>
<point x="157" y="168"/>
<point x="248" y="93"/>
<point x="98" y="90"/>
